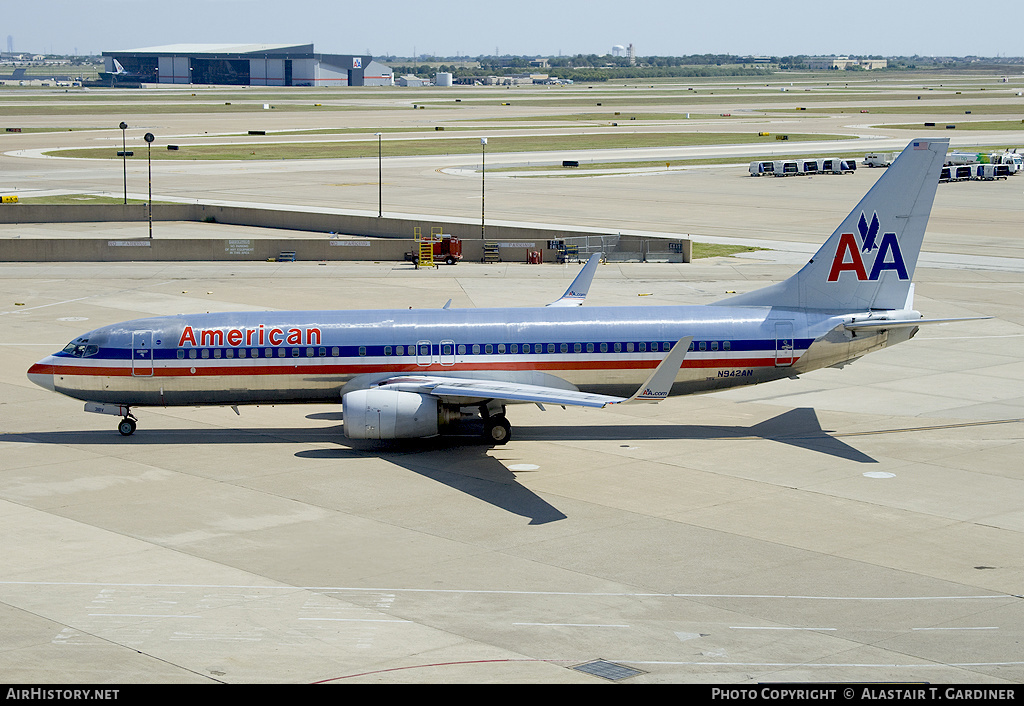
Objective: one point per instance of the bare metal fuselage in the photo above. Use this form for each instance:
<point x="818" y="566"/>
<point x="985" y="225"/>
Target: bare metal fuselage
<point x="316" y="356"/>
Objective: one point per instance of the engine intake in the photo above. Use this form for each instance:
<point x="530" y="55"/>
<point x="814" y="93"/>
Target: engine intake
<point x="389" y="414"/>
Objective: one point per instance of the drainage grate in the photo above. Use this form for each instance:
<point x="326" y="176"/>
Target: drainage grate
<point x="608" y="670"/>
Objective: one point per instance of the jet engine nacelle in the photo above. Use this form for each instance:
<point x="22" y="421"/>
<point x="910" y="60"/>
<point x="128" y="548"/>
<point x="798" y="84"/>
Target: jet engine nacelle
<point x="389" y="414"/>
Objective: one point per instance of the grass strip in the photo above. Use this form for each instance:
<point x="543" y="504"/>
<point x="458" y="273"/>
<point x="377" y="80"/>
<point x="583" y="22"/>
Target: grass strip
<point x="436" y="146"/>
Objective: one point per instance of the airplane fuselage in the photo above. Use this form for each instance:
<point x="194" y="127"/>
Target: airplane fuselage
<point x="316" y="356"/>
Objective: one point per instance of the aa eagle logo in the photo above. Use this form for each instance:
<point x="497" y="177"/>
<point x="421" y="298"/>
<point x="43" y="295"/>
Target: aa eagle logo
<point x="853" y="256"/>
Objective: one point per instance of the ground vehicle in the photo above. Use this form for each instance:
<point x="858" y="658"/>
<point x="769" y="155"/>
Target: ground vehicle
<point x="832" y="165"/>
<point x="955" y="158"/>
<point x="786" y="168"/>
<point x="1010" y="159"/>
<point x="446" y="249"/>
<point x="962" y="172"/>
<point x="761" y="168"/>
<point x="991" y="172"/>
<point x="880" y="159"/>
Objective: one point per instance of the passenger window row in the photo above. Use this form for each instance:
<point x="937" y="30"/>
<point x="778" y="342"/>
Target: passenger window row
<point x="206" y="353"/>
<point x="446" y="349"/>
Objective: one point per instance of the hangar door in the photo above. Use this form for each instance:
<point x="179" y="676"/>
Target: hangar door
<point x="230" y="72"/>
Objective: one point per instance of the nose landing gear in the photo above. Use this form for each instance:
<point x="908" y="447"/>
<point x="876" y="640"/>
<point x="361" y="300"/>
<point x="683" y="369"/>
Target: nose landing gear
<point x="127" y="425"/>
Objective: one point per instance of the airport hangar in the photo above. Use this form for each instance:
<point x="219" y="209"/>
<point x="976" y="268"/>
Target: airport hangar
<point x="248" y="65"/>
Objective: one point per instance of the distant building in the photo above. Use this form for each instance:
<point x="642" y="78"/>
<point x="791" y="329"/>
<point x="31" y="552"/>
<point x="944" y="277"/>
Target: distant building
<point x="843" y="62"/>
<point x="245" y="65"/>
<point x="413" y="81"/>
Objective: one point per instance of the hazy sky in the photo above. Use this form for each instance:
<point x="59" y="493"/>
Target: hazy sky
<point x="527" y="27"/>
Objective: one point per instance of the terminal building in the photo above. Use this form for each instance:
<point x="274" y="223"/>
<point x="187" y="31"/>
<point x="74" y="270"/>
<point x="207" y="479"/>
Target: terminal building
<point x="244" y="65"/>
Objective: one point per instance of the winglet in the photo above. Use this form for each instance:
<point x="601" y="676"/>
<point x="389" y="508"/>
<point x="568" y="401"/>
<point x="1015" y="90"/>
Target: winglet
<point x="659" y="384"/>
<point x="577" y="291"/>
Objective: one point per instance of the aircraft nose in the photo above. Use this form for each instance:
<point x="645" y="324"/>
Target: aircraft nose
<point x="42" y="375"/>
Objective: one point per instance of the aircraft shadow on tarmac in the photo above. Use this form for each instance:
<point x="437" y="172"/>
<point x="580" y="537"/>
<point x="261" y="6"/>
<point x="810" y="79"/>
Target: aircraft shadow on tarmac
<point x="462" y="462"/>
<point x="798" y="427"/>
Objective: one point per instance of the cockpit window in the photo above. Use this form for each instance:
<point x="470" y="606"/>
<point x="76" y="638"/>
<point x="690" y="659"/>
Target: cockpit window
<point x="81" y="349"/>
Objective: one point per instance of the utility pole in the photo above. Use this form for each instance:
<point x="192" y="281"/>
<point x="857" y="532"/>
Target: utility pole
<point x="124" y="160"/>
<point x="483" y="182"/>
<point x="380" y="180"/>
<point x="149" y="159"/>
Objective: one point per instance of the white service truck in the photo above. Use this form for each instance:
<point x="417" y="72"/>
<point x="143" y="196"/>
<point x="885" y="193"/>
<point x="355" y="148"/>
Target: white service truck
<point x="1011" y="159"/>
<point x="880" y="159"/>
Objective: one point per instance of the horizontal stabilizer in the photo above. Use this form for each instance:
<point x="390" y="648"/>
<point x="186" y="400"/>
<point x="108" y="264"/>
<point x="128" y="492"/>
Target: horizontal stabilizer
<point x="879" y="324"/>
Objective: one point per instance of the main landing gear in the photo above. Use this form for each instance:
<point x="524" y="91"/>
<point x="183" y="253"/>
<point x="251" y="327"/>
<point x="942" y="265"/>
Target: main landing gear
<point x="497" y="430"/>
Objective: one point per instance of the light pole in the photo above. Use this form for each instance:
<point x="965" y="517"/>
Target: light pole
<point x="380" y="180"/>
<point x="149" y="159"/>
<point x="483" y="177"/>
<point x="124" y="159"/>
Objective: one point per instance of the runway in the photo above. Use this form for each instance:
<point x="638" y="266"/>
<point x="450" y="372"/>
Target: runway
<point x="858" y="525"/>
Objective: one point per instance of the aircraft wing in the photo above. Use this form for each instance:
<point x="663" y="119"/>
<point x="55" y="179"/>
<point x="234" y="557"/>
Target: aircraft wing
<point x="577" y="291"/>
<point x="471" y="389"/>
<point x="654" y="389"/>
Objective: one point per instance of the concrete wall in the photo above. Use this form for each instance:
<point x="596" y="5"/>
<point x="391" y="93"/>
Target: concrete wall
<point x="516" y="241"/>
<point x="238" y="249"/>
<point x="191" y="249"/>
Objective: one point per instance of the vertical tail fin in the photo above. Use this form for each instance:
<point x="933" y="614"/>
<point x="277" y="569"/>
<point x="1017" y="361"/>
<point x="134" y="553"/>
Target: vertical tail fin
<point x="869" y="261"/>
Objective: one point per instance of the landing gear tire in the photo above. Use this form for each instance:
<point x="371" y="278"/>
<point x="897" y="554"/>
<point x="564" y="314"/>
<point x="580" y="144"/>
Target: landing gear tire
<point x="126" y="427"/>
<point x="497" y="430"/>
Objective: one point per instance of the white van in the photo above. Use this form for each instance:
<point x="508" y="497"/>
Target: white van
<point x="880" y="159"/>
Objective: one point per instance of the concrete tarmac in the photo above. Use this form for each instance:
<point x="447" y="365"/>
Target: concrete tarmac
<point x="858" y="525"/>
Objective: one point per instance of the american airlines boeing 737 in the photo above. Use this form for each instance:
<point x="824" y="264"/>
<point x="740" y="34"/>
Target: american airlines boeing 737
<point x="421" y="373"/>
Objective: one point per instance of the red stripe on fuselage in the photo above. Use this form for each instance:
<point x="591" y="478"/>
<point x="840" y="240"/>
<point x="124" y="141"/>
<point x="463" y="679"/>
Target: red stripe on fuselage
<point x="348" y="368"/>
